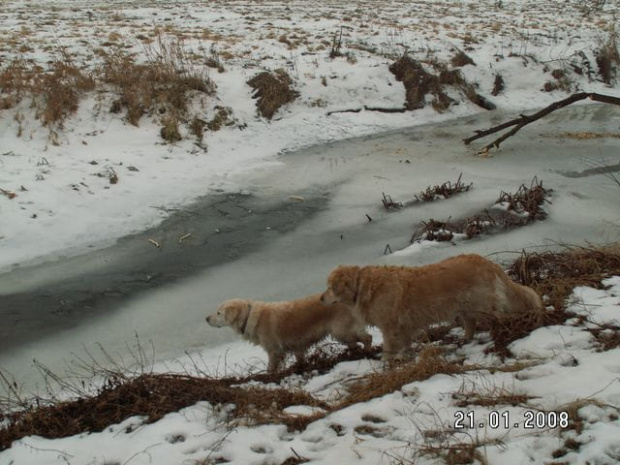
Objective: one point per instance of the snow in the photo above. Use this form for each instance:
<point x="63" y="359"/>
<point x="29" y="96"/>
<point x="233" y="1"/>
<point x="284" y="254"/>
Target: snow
<point x="172" y="175"/>
<point x="66" y="209"/>
<point x="420" y="416"/>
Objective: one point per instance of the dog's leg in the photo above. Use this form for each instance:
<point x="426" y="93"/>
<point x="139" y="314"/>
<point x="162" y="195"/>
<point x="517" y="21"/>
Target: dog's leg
<point x="469" y="325"/>
<point x="275" y="359"/>
<point x="393" y="345"/>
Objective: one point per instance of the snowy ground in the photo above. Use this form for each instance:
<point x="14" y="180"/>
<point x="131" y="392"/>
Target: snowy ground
<point x="63" y="207"/>
<point x="66" y="209"/>
<point x="416" y="424"/>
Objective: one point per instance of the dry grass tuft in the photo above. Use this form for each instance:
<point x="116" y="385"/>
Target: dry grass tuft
<point x="430" y="362"/>
<point x="444" y="191"/>
<point x="606" y="336"/>
<point x="461" y="59"/>
<point x="272" y="91"/>
<point x="555" y="275"/>
<point x="498" y="85"/>
<point x="430" y="194"/>
<point x="491" y="398"/>
<point x="418" y="83"/>
<point x="608" y="59"/>
<point x="151" y="396"/>
<point x="454" y="454"/>
<point x="55" y="92"/>
<point x="162" y="86"/>
<point x="589" y="135"/>
<point x="154" y="395"/>
<point x="527" y="202"/>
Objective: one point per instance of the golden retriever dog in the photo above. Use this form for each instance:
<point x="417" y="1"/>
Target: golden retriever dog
<point x="400" y="301"/>
<point x="290" y="326"/>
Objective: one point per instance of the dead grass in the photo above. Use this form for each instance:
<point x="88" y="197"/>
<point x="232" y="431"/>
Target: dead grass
<point x="163" y="86"/>
<point x="608" y="59"/>
<point x="430" y="362"/>
<point x="460" y="59"/>
<point x="499" y="85"/>
<point x="589" y="135"/>
<point x="419" y="83"/>
<point x="54" y="92"/>
<point x="454" y="454"/>
<point x="509" y="211"/>
<point x="430" y="194"/>
<point x="606" y="336"/>
<point x="490" y="397"/>
<point x="444" y="191"/>
<point x="154" y="395"/>
<point x="553" y="274"/>
<point x="272" y="91"/>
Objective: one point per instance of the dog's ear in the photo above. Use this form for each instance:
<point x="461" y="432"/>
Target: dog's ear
<point x="236" y="312"/>
<point x="343" y="282"/>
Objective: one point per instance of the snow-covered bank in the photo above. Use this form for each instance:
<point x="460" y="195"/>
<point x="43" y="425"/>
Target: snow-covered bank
<point x="431" y="421"/>
<point x="64" y="201"/>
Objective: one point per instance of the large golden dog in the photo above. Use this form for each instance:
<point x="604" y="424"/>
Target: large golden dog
<point x="400" y="301"/>
<point x="291" y="326"/>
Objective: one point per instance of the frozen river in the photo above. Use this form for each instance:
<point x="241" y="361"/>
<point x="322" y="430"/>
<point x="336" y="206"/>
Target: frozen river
<point x="288" y="225"/>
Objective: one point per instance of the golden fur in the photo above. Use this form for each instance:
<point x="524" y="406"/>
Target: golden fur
<point x="402" y="300"/>
<point x="289" y="326"/>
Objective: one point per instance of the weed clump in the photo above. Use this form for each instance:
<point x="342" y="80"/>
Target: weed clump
<point x="608" y="59"/>
<point x="164" y="85"/>
<point x="55" y="92"/>
<point x="554" y="275"/>
<point x="419" y="83"/>
<point x="498" y="85"/>
<point x="509" y="211"/>
<point x="272" y="91"/>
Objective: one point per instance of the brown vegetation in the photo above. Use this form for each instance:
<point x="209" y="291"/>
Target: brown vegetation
<point x="430" y="194"/>
<point x="555" y="275"/>
<point x="419" y="83"/>
<point x="55" y="92"/>
<point x="509" y="211"/>
<point x="608" y="59"/>
<point x="161" y="86"/>
<point x="552" y="274"/>
<point x="272" y="91"/>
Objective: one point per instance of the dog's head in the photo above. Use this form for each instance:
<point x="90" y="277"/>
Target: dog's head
<point x="341" y="286"/>
<point x="233" y="313"/>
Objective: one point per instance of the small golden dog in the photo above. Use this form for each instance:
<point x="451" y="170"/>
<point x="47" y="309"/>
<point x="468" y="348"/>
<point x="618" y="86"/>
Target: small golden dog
<point x="289" y="326"/>
<point x="400" y="301"/>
